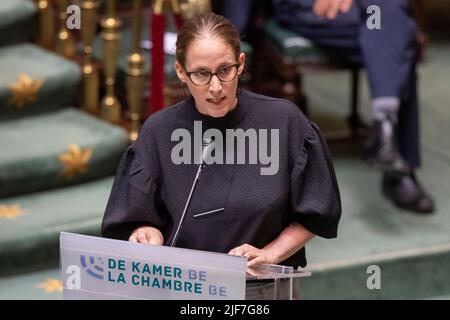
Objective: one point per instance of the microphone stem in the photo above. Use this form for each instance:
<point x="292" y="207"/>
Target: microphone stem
<point x="175" y="238"/>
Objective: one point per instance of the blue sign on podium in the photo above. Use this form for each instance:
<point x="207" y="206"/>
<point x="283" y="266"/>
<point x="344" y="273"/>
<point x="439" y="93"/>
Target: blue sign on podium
<point x="100" y="268"/>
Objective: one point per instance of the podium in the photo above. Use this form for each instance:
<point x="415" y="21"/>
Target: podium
<point x="100" y="268"/>
<point x="273" y="282"/>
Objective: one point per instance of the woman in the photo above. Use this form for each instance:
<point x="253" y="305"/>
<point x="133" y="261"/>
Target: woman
<point x="235" y="207"/>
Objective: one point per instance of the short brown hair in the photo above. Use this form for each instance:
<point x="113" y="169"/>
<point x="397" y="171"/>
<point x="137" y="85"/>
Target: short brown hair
<point x="206" y="24"/>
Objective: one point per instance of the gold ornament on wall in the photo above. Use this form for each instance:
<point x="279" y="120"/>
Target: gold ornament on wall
<point x="110" y="107"/>
<point x="190" y="8"/>
<point x="10" y="212"/>
<point x="135" y="72"/>
<point x="25" y="90"/>
<point x="51" y="285"/>
<point x="90" y="72"/>
<point x="75" y="161"/>
<point x="66" y="43"/>
<point x="46" y="24"/>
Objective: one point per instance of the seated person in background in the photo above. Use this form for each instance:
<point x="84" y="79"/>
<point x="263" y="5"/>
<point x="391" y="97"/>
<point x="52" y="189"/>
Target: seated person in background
<point x="389" y="56"/>
<point x="236" y="208"/>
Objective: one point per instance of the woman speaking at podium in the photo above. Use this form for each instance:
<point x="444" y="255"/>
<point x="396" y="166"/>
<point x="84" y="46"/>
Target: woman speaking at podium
<point x="264" y="201"/>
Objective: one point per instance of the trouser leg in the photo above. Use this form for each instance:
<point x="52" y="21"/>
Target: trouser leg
<point x="389" y="56"/>
<point x="408" y="123"/>
<point x="389" y="53"/>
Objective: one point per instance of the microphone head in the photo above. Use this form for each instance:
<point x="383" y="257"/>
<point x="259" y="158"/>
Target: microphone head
<point x="207" y="146"/>
<point x="206" y="142"/>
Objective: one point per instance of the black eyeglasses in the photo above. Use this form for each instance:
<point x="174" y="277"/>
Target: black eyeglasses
<point x="203" y="77"/>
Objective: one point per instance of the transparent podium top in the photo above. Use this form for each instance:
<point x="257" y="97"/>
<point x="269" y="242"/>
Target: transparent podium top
<point x="274" y="271"/>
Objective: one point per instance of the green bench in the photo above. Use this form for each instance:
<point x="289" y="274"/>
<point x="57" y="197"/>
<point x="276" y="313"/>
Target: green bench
<point x="290" y="57"/>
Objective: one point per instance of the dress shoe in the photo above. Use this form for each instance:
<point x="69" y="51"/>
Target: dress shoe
<point x="381" y="147"/>
<point x="406" y="192"/>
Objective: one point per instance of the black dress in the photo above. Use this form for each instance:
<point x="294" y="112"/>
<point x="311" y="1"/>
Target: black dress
<point x="232" y="204"/>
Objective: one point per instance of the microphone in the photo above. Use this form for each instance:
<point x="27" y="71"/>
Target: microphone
<point x="207" y="145"/>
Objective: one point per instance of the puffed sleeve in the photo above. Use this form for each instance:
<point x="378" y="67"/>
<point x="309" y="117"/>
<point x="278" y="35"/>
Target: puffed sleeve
<point x="315" y="199"/>
<point x="133" y="201"/>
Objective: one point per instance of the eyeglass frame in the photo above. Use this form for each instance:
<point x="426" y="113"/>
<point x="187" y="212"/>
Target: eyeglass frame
<point x="211" y="74"/>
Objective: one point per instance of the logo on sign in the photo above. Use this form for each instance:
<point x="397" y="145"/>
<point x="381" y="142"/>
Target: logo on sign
<point x="93" y="266"/>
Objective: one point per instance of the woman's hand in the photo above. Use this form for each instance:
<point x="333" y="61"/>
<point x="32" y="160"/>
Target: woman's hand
<point x="147" y="235"/>
<point x="253" y="254"/>
<point x="289" y="241"/>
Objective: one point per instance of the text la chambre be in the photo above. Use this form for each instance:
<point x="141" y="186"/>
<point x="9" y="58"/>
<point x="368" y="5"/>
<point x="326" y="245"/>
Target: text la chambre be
<point x="162" y="277"/>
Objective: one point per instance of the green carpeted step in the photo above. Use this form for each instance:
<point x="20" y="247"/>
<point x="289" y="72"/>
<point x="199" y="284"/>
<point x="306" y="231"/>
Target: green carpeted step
<point x="34" y="80"/>
<point x="30" y="224"/>
<point x="38" y="285"/>
<point x="443" y="297"/>
<point x="32" y="148"/>
<point x="42" y="285"/>
<point x="408" y="274"/>
<point x="412" y="250"/>
<point x="16" y="19"/>
<point x="420" y="275"/>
